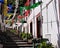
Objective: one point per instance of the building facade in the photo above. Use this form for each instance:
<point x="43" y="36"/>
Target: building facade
<point x="44" y="23"/>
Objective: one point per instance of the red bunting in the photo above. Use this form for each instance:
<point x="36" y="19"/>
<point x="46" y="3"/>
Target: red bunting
<point x="27" y="3"/>
<point x="20" y="16"/>
<point x="27" y="12"/>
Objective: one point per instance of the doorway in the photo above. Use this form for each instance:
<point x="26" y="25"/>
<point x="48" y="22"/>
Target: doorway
<point x="31" y="28"/>
<point x="38" y="27"/>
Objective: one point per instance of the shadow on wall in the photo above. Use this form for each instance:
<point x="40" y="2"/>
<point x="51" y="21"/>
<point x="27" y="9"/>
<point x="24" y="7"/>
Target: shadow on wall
<point x="59" y="40"/>
<point x="6" y="38"/>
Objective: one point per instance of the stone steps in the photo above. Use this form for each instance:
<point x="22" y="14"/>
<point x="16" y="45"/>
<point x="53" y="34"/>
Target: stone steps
<point x="15" y="41"/>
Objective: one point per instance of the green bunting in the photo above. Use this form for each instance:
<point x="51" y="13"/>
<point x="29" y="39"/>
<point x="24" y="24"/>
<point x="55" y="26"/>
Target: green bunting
<point x="21" y="10"/>
<point x="29" y="7"/>
<point x="33" y="6"/>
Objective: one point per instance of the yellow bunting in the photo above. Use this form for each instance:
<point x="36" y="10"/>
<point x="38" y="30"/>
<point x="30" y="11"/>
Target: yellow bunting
<point x="5" y="8"/>
<point x="9" y="15"/>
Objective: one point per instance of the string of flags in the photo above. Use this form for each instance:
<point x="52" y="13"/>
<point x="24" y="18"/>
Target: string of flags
<point x="27" y="7"/>
<point x="24" y="10"/>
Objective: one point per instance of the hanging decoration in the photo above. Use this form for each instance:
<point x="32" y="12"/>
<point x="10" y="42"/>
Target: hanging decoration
<point x="21" y="10"/>
<point x="33" y="6"/>
<point x="9" y="8"/>
<point x="9" y="15"/>
<point x="27" y="3"/>
<point x="20" y="17"/>
<point x="25" y="9"/>
<point x="26" y="13"/>
<point x="1" y="1"/>
<point x="28" y="8"/>
<point x="5" y="8"/>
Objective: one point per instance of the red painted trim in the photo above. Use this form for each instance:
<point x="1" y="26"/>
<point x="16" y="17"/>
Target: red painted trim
<point x="38" y="15"/>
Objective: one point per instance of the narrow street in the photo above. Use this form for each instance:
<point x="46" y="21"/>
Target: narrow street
<point x="8" y="40"/>
<point x="29" y="24"/>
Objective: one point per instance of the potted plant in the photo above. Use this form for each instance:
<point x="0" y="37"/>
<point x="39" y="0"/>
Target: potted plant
<point x="25" y="36"/>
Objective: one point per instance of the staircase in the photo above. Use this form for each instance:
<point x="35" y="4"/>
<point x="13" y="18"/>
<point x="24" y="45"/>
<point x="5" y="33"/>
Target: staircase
<point x="10" y="40"/>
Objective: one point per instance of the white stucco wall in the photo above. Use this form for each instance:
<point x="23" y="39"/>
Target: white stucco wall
<point x="52" y="31"/>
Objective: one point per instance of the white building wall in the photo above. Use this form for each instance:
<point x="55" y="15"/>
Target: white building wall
<point x="58" y="12"/>
<point x="32" y="18"/>
<point x="51" y="31"/>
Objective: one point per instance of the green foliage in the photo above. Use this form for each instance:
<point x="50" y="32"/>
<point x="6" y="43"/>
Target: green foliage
<point x="44" y="40"/>
<point x="45" y="45"/>
<point x="25" y="35"/>
<point x="22" y="35"/>
<point x="12" y="30"/>
<point x="29" y="36"/>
